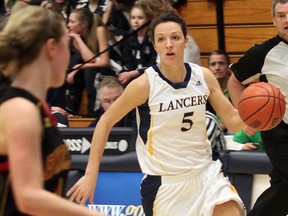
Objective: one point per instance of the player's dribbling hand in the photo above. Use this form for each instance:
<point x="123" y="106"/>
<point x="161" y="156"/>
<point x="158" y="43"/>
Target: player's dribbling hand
<point x="249" y="131"/>
<point x="82" y="190"/>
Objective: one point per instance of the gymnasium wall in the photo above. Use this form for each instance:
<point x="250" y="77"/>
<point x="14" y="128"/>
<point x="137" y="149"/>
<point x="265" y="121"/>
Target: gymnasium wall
<point x="243" y="23"/>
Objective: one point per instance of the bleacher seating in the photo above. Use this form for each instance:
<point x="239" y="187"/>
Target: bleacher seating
<point x="246" y="22"/>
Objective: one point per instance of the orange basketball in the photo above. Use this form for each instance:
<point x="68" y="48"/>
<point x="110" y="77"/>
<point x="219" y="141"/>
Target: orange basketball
<point x="262" y="106"/>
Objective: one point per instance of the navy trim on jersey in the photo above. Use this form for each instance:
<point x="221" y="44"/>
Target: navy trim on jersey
<point x="176" y="85"/>
<point x="144" y="113"/>
<point x="149" y="188"/>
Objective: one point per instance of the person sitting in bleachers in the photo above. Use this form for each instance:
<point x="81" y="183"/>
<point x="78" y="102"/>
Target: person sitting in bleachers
<point x="110" y="89"/>
<point x="88" y="38"/>
<point x="102" y="7"/>
<point x="118" y="22"/>
<point x="137" y="49"/>
<point x="219" y="62"/>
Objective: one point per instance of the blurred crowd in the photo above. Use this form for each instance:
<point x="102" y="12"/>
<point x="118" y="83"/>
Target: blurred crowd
<point x="108" y="38"/>
<point x="110" y="42"/>
<point x="110" y="45"/>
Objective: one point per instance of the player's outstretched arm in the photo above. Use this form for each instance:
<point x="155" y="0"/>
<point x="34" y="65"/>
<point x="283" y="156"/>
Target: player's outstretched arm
<point x="135" y="94"/>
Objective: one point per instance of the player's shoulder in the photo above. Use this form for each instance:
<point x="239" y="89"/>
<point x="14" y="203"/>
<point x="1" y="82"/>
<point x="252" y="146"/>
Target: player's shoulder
<point x="139" y="86"/>
<point x="195" y="68"/>
<point x="140" y="81"/>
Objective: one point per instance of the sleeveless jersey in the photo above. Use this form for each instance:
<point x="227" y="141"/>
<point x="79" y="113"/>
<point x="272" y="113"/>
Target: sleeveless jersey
<point x="171" y="124"/>
<point x="56" y="158"/>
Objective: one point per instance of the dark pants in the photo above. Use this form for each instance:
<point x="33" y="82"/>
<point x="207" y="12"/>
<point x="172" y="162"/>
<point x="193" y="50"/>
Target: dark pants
<point x="149" y="189"/>
<point x="274" y="200"/>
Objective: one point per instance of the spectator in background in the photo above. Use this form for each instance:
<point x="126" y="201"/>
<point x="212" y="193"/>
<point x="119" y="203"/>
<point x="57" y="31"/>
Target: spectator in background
<point x="63" y="7"/>
<point x="137" y="50"/>
<point x="61" y="116"/>
<point x="118" y="22"/>
<point x="33" y="158"/>
<point x="253" y="142"/>
<point x="102" y="7"/>
<point x="109" y="90"/>
<point x="218" y="63"/>
<point x="88" y="38"/>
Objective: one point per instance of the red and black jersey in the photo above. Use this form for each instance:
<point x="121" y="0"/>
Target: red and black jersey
<point x="55" y="155"/>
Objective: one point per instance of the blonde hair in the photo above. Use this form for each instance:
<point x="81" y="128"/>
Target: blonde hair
<point x="24" y="34"/>
<point x="92" y="20"/>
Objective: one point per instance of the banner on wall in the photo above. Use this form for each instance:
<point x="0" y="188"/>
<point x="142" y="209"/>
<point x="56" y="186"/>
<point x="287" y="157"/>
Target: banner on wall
<point x="121" y="140"/>
<point x="118" y="194"/>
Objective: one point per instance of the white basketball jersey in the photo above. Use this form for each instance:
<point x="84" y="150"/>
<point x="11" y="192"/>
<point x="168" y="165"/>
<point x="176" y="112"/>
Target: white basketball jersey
<point x="172" y="129"/>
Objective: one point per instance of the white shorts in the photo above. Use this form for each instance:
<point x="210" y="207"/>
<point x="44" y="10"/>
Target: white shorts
<point x="193" y="195"/>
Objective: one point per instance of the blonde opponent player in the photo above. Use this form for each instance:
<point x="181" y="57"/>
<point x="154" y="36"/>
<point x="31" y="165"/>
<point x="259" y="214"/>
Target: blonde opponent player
<point x="34" y="161"/>
<point x="172" y="147"/>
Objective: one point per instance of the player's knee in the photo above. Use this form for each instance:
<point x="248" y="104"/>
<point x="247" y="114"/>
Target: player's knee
<point x="228" y="208"/>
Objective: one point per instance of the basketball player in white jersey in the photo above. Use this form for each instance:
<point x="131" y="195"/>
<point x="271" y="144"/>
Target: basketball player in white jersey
<point x="172" y="147"/>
